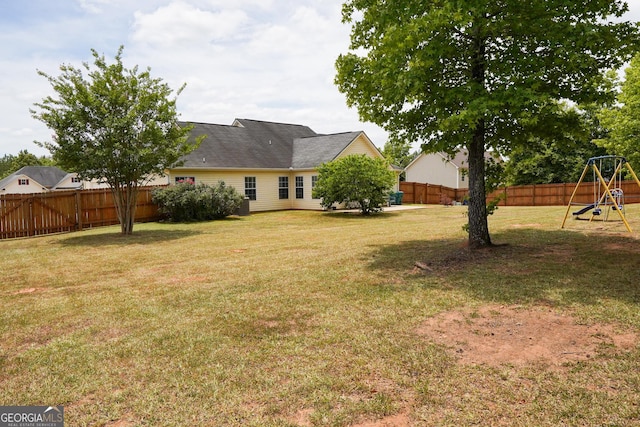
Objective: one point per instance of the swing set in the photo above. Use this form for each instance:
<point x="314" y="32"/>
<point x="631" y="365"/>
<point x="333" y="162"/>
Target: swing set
<point x="607" y="189"/>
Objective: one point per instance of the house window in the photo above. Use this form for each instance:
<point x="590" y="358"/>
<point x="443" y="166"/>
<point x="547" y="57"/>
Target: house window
<point x="299" y="187"/>
<point x="185" y="179"/>
<point x="314" y="181"/>
<point x="283" y="187"/>
<point x="23" y="181"/>
<point x="250" y="187"/>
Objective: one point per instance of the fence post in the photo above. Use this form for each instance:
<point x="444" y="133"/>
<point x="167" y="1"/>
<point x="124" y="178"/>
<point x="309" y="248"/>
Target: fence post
<point x="30" y="228"/>
<point x="78" y="210"/>
<point x="534" y="195"/>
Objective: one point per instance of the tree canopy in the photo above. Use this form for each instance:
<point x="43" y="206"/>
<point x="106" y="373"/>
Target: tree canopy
<point x="622" y="120"/>
<point x="398" y="153"/>
<point x="10" y="163"/>
<point x="557" y="153"/>
<point x="466" y="73"/>
<point x="115" y="125"/>
<point x="356" y="178"/>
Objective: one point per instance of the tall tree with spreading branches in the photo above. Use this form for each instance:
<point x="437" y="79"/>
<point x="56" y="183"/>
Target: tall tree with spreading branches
<point x="463" y="73"/>
<point x="114" y="125"/>
<point x="622" y="120"/>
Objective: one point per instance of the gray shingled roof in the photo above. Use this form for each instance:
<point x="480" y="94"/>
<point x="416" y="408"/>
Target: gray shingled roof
<point x="253" y="144"/>
<point x="313" y="151"/>
<point x="47" y="176"/>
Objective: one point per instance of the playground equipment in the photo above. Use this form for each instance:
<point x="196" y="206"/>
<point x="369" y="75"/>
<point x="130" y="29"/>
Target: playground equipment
<point x="607" y="188"/>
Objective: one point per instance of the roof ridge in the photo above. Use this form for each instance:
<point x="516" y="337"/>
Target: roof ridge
<point x="272" y="122"/>
<point x="320" y="135"/>
<point x="206" y="123"/>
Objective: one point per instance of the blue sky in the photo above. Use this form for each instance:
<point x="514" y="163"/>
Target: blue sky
<point x="258" y="59"/>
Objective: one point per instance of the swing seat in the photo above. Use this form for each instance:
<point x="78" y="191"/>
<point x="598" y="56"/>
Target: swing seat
<point x="584" y="210"/>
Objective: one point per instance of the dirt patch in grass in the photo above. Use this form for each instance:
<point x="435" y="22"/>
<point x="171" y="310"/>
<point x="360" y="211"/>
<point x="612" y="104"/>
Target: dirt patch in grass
<point x="397" y="420"/>
<point x="496" y="335"/>
<point x="462" y="257"/>
<point x="303" y="419"/>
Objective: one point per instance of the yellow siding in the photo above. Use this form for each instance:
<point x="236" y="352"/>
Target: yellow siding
<point x="361" y="145"/>
<point x="267" y="191"/>
<point x="307" y="202"/>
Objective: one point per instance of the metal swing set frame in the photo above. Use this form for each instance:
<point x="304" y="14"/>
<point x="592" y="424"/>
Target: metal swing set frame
<point x="606" y="190"/>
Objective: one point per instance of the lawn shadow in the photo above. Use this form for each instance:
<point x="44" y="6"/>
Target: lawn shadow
<point x="115" y="238"/>
<point x="351" y="215"/>
<point x="531" y="266"/>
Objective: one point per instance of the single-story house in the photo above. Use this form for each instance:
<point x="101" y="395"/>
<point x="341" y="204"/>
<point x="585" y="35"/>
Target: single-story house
<point x="439" y="169"/>
<point x="273" y="164"/>
<point x="38" y="179"/>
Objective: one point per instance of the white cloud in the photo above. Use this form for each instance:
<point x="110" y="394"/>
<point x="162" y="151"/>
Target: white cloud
<point x="93" y="6"/>
<point x="262" y="59"/>
<point x="180" y="24"/>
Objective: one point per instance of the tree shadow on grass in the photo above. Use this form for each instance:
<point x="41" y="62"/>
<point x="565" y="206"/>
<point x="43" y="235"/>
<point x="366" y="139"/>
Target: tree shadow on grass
<point x="555" y="267"/>
<point x="115" y="238"/>
<point x="351" y="215"/>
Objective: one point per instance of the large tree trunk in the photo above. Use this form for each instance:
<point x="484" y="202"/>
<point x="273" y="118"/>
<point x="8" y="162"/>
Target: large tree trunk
<point x="478" y="225"/>
<point x="126" y="198"/>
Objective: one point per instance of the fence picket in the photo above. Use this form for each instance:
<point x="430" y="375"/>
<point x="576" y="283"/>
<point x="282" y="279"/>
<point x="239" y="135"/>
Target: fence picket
<point x="522" y="195"/>
<point x="24" y="215"/>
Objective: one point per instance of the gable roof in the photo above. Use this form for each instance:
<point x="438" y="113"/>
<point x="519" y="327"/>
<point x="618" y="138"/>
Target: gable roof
<point x="254" y="144"/>
<point x="313" y="151"/>
<point x="46" y="176"/>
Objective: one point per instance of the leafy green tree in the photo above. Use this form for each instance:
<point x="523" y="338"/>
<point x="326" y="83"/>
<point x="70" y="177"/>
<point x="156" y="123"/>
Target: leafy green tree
<point x="355" y="178"/>
<point x="397" y="153"/>
<point x="6" y="167"/>
<point x="24" y="158"/>
<point x="10" y="163"/>
<point x="116" y="125"/>
<point x="557" y="153"/>
<point x="622" y="120"/>
<point x="463" y="73"/>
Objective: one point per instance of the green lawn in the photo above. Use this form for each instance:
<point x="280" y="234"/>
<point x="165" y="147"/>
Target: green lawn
<point x="311" y="318"/>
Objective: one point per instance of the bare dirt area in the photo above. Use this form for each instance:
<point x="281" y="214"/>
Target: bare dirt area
<point x="496" y="335"/>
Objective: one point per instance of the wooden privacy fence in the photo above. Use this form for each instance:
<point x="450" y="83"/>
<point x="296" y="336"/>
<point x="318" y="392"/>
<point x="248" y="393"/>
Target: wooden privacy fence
<point x="25" y="215"/>
<point x="521" y="195"/>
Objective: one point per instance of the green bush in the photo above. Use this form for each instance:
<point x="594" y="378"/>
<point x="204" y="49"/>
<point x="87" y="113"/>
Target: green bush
<point x="187" y="202"/>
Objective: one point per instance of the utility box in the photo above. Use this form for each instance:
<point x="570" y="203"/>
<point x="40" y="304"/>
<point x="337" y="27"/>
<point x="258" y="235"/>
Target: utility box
<point x="243" y="210"/>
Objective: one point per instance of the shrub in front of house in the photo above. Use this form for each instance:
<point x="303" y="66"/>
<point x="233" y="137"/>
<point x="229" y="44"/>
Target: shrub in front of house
<point x="187" y="202"/>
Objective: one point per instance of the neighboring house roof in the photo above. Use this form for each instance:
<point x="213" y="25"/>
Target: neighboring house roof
<point x="254" y="144"/>
<point x="46" y="176"/>
<point x="459" y="160"/>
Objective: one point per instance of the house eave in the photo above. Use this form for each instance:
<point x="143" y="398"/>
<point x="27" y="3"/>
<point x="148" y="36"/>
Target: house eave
<point x="227" y="169"/>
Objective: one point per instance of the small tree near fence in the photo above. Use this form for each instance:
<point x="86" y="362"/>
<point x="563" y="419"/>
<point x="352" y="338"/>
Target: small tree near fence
<point x="116" y="125"/>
